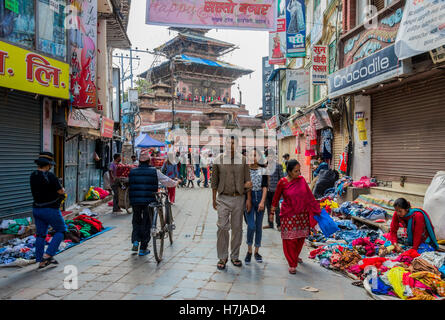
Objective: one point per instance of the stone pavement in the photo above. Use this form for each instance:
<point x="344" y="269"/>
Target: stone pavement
<point x="107" y="269"/>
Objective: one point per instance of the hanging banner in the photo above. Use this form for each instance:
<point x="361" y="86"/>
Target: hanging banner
<point x="323" y="119"/>
<point x="295" y="28"/>
<point x="82" y="36"/>
<point x="156" y="127"/>
<point x="107" y="127"/>
<point x="319" y="64"/>
<point x="25" y="70"/>
<point x="422" y="28"/>
<point x="297" y="88"/>
<point x="277" y="44"/>
<point x="317" y="28"/>
<point x="83" y="118"/>
<point x="229" y="14"/>
<point x="267" y="89"/>
<point x="273" y="122"/>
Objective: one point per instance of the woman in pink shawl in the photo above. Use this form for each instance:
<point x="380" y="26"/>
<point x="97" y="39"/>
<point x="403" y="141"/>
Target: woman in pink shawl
<point x="298" y="204"/>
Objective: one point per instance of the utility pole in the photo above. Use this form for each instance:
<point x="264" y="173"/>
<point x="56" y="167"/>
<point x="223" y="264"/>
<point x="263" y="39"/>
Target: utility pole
<point x="172" y="69"/>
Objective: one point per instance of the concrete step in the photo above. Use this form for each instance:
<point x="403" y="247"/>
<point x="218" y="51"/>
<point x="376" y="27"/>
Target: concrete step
<point x="416" y="199"/>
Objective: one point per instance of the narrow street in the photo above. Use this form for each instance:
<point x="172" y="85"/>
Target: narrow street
<point x="107" y="269"/>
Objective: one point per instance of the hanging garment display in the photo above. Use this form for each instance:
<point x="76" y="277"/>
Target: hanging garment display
<point x="326" y="143"/>
<point x="311" y="137"/>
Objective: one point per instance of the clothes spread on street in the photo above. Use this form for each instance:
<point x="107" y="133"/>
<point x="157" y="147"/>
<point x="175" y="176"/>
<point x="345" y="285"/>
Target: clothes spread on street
<point x="15" y="226"/>
<point x="372" y="213"/>
<point x="23" y="250"/>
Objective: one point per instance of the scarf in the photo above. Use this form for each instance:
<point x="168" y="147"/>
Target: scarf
<point x="428" y="224"/>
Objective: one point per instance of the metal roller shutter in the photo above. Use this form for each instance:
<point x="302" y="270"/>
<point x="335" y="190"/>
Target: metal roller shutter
<point x="20" y="144"/>
<point x="408" y="129"/>
<point x="338" y="145"/>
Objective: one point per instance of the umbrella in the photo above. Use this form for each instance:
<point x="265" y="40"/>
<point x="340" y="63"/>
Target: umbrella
<point x="145" y="141"/>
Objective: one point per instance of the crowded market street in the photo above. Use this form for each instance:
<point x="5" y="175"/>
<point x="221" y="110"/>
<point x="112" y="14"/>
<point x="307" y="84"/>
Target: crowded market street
<point x="108" y="269"/>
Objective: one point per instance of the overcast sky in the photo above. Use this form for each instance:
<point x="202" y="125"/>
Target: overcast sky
<point x="253" y="45"/>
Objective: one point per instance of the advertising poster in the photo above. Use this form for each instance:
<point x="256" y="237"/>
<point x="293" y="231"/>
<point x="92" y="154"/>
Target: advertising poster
<point x="267" y="89"/>
<point x="230" y="14"/>
<point x="422" y="28"/>
<point x="82" y="39"/>
<point x="319" y="64"/>
<point x="317" y="28"/>
<point x="277" y="44"/>
<point x="297" y="88"/>
<point x="84" y="118"/>
<point x="295" y="28"/>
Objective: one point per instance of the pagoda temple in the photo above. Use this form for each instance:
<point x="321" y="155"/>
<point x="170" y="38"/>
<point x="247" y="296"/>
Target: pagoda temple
<point x="202" y="85"/>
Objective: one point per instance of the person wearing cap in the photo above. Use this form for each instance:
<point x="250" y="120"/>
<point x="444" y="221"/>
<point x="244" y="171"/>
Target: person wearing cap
<point x="48" y="194"/>
<point x="143" y="185"/>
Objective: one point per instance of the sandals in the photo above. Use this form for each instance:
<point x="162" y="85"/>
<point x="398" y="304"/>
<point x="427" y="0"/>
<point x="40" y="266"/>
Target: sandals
<point x="221" y="264"/>
<point x="292" y="270"/>
<point x="236" y="262"/>
<point x="48" y="262"/>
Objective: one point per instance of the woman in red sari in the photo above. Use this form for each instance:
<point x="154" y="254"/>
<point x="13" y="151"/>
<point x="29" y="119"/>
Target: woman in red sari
<point x="298" y="204"/>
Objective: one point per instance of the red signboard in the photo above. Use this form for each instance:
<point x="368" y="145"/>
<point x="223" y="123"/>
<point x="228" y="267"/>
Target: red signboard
<point x="107" y="128"/>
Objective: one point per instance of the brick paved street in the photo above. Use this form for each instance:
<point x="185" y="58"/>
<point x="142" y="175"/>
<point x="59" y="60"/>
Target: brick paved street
<point x="109" y="270"/>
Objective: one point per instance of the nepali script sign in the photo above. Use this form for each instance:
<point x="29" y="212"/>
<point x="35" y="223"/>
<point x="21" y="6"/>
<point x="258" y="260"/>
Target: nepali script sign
<point x="319" y="64"/>
<point x="230" y="14"/>
<point x="422" y="28"/>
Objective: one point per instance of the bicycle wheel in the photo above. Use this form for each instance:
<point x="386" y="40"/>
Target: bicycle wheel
<point x="170" y="222"/>
<point x="158" y="234"/>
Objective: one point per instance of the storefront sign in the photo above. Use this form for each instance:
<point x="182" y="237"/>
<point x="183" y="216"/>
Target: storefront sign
<point x="47" y="125"/>
<point x="84" y="118"/>
<point x="267" y="89"/>
<point x="277" y="44"/>
<point x="378" y="67"/>
<point x="286" y="131"/>
<point x="273" y="122"/>
<point x="231" y="14"/>
<point x="12" y="5"/>
<point x="323" y="119"/>
<point x="107" y="127"/>
<point x="83" y="49"/>
<point x="303" y="121"/>
<point x="297" y="88"/>
<point x="295" y="28"/>
<point x="319" y="64"/>
<point x="422" y="28"/>
<point x="438" y="54"/>
<point x="24" y="70"/>
<point x="156" y="127"/>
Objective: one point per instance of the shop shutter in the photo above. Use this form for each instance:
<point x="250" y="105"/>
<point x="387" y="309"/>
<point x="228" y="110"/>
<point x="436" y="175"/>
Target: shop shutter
<point x="20" y="144"/>
<point x="338" y="146"/>
<point x="408" y="129"/>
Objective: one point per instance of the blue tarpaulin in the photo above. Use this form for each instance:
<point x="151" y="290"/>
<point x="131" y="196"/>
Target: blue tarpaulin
<point x="145" y="141"/>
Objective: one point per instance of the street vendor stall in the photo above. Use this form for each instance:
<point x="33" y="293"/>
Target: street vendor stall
<point x="122" y="173"/>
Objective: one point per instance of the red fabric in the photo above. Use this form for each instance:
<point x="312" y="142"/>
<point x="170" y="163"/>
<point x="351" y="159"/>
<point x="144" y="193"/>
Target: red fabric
<point x="407" y="256"/>
<point x="420" y="233"/>
<point x="94" y="222"/>
<point x="110" y="204"/>
<point x="102" y="193"/>
<point x="369" y="246"/>
<point x="297" y="198"/>
<point x="292" y="249"/>
<point x="171" y="194"/>
<point x="314" y="253"/>
<point x="375" y="261"/>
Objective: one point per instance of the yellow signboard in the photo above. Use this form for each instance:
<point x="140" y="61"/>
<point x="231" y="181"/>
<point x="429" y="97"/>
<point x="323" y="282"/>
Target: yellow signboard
<point x="28" y="71"/>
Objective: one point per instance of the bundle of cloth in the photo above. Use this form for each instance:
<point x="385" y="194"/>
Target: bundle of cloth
<point x="365" y="182"/>
<point x="339" y="188"/>
<point x="15" y="226"/>
<point x="349" y="208"/>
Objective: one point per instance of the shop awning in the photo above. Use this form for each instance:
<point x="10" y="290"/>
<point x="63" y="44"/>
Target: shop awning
<point x="274" y="73"/>
<point x="145" y="141"/>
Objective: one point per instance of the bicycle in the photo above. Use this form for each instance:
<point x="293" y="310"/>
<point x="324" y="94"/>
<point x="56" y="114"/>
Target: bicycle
<point x="163" y="224"/>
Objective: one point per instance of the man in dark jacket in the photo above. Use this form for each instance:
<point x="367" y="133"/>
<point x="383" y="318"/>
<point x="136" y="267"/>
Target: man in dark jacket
<point x="272" y="183"/>
<point x="144" y="182"/>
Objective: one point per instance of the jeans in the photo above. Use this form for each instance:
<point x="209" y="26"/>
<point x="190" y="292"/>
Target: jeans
<point x="197" y="171"/>
<point x="204" y="172"/>
<point x="115" y="188"/>
<point x="269" y="199"/>
<point x="44" y="217"/>
<point x="255" y="220"/>
<point x="142" y="216"/>
<point x="292" y="90"/>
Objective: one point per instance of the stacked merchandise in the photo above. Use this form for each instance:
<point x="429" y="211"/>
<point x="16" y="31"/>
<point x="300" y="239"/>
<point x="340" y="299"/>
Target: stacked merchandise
<point x="367" y="255"/>
<point x="21" y="252"/>
<point x="353" y="208"/>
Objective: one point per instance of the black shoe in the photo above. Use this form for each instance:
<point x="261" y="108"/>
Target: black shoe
<point x="248" y="258"/>
<point x="258" y="258"/>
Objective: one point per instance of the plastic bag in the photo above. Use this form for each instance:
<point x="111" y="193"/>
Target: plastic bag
<point x="395" y="277"/>
<point x="434" y="204"/>
<point x="92" y="194"/>
<point x="326" y="224"/>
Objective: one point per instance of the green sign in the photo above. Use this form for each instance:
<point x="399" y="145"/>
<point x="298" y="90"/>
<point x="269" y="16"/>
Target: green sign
<point x="12" y="5"/>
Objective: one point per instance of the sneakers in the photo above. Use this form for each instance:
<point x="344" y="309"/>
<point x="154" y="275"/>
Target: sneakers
<point x="258" y="258"/>
<point x="248" y="258"/>
<point x="135" y="246"/>
<point x="143" y="252"/>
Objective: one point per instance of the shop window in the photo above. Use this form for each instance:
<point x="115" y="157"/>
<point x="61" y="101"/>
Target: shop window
<point x="51" y="20"/>
<point x="17" y="22"/>
<point x="332" y="57"/>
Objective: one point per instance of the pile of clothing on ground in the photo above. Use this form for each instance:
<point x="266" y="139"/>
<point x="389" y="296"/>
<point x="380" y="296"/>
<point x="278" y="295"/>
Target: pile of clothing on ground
<point x="21" y="252"/>
<point x="95" y="193"/>
<point x="352" y="208"/>
<point x="369" y="256"/>
<point x="365" y="182"/>
<point x="339" y="188"/>
<point x="15" y="226"/>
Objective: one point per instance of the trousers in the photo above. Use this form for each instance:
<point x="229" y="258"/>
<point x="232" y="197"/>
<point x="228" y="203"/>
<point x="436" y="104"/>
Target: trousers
<point x="292" y="249"/>
<point x="255" y="220"/>
<point x="269" y="198"/>
<point x="43" y="218"/>
<point x="142" y="217"/>
<point x="292" y="90"/>
<point x="230" y="217"/>
<point x="115" y="188"/>
<point x="171" y="194"/>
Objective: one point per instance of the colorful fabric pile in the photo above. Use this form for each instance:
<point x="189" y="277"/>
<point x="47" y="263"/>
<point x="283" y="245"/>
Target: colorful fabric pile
<point x="368" y="255"/>
<point x="16" y="226"/>
<point x="81" y="227"/>
<point x="365" y="182"/>
<point x="372" y="213"/>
